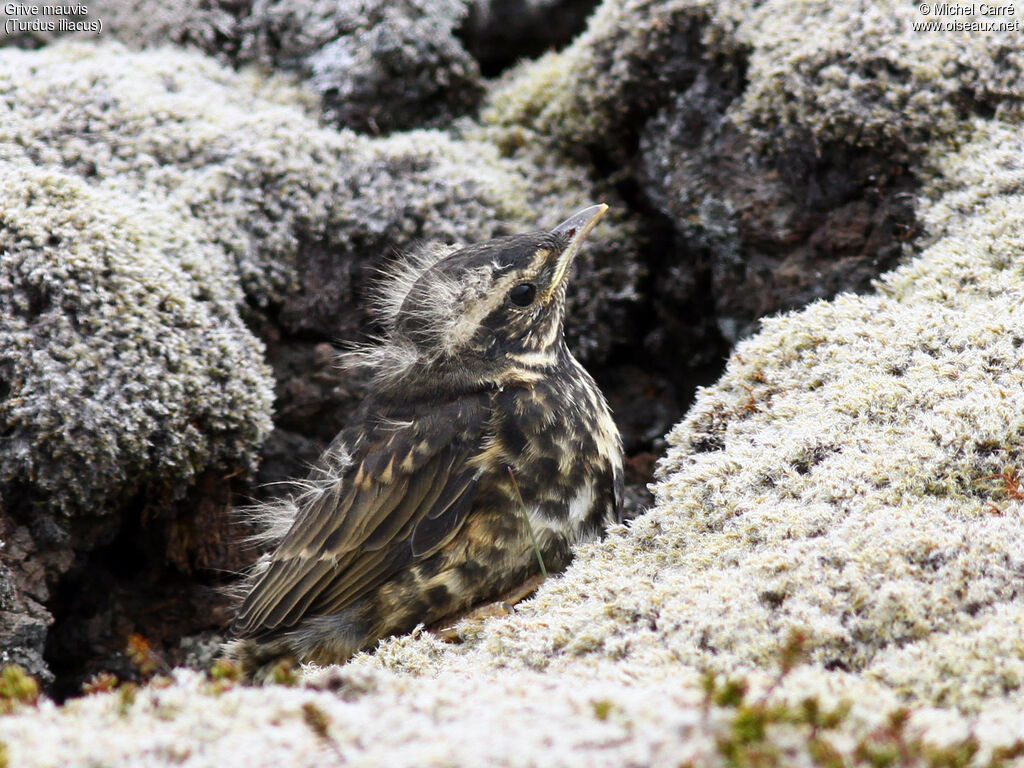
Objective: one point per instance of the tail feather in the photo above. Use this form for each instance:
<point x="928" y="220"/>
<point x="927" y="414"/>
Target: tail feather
<point x="257" y="659"/>
<point x="328" y="639"/>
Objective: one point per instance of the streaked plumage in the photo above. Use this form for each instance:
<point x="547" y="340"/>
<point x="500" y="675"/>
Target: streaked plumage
<point x="478" y="414"/>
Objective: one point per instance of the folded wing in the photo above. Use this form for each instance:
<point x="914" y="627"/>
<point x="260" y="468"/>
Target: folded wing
<point x="405" y="494"/>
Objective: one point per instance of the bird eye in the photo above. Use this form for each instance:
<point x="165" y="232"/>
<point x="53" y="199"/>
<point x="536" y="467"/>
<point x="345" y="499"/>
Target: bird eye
<point x="523" y="294"/>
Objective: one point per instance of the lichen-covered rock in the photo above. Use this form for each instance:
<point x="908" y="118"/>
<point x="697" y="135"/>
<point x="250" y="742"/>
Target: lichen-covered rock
<point x="23" y="623"/>
<point x="126" y="373"/>
<point x="124" y="363"/>
<point x="375" y="66"/>
<point x="766" y="233"/>
<point x="868" y="77"/>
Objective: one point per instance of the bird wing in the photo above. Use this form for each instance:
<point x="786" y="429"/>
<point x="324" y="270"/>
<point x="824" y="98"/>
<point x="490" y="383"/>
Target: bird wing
<point x="405" y="494"/>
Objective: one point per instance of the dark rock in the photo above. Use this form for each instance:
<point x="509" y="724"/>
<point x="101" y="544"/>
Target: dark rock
<point x="395" y="66"/>
<point x="770" y="233"/>
<point x="499" y="33"/>
<point x="24" y="587"/>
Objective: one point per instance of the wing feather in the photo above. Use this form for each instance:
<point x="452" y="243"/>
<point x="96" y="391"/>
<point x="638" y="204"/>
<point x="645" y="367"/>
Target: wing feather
<point x="371" y="570"/>
<point x="424" y="488"/>
<point x="369" y="510"/>
<point x="300" y="593"/>
<point x="376" y="563"/>
<point x="405" y="493"/>
<point x="434" y="531"/>
<point x="320" y="507"/>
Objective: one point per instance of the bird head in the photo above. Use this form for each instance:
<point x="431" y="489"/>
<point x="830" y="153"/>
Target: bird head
<point x="471" y="313"/>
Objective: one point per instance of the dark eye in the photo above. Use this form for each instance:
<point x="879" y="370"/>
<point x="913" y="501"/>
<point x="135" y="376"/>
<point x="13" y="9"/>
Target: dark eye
<point x="523" y="294"/>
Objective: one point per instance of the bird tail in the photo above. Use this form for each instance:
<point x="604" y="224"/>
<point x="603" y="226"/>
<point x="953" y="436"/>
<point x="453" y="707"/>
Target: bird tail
<point x="260" y="662"/>
<point x="328" y="639"/>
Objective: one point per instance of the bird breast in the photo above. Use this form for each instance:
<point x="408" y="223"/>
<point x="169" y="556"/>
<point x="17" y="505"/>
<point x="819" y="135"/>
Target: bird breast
<point x="558" y="436"/>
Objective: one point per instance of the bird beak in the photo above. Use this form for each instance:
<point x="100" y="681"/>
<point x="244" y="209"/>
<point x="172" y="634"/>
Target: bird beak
<point x="576" y="227"/>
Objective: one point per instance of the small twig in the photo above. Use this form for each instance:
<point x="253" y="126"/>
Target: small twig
<point x="319" y="722"/>
<point x="529" y="526"/>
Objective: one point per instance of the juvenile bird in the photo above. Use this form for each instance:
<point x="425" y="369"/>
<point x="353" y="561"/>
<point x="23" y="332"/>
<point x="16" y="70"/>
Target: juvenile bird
<point x="482" y="445"/>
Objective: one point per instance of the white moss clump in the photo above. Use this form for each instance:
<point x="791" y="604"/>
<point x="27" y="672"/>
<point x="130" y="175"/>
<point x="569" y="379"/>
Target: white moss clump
<point x="816" y="73"/>
<point x="123" y="360"/>
<point x="856" y="467"/>
<point x="863" y="75"/>
<point x="178" y="128"/>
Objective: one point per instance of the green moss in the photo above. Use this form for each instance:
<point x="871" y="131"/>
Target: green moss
<point x="758" y="733"/>
<point x="603" y="708"/>
<point x="126" y="694"/>
<point x="101" y="682"/>
<point x="225" y="669"/>
<point x="284" y="673"/>
<point x="17" y="689"/>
